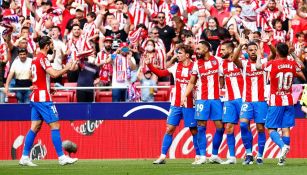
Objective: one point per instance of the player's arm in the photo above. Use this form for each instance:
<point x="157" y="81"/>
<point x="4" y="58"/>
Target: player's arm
<point x="158" y="72"/>
<point x="56" y="73"/>
<point x="272" y="55"/>
<point x="258" y="63"/>
<point x="237" y="53"/>
<point x="297" y="60"/>
<point x="189" y="89"/>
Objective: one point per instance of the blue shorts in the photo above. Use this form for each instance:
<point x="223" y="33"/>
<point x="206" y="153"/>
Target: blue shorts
<point x="177" y="113"/>
<point x="280" y="117"/>
<point x="254" y="110"/>
<point x="232" y="111"/>
<point x="208" y="109"/>
<point x="44" y="111"/>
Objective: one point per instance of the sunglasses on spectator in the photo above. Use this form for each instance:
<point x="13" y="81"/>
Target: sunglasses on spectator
<point x="155" y="33"/>
<point x="161" y="17"/>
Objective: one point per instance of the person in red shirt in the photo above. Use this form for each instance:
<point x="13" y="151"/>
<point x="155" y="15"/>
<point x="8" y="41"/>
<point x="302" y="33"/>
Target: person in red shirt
<point x="281" y="110"/>
<point x="42" y="107"/>
<point x="218" y="11"/>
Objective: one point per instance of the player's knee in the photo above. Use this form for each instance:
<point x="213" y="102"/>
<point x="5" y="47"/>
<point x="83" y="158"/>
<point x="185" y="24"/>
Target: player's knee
<point x="202" y="123"/>
<point x="193" y="130"/>
<point x="243" y="126"/>
<point x="229" y="129"/>
<point x="170" y="130"/>
<point x="36" y="128"/>
<point x="54" y="125"/>
<point x="260" y="128"/>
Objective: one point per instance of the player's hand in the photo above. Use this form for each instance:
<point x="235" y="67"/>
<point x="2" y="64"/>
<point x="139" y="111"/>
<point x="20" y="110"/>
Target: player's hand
<point x="183" y="102"/>
<point x="125" y="9"/>
<point x="243" y="40"/>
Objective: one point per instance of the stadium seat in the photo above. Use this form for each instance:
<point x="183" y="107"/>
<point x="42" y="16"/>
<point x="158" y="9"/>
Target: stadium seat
<point x="103" y="96"/>
<point x="62" y="96"/>
<point x="12" y="98"/>
<point x="72" y="84"/>
<point x="167" y="90"/>
<point x="161" y="96"/>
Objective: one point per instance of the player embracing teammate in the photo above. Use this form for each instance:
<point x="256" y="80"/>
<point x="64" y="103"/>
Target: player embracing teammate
<point x="244" y="81"/>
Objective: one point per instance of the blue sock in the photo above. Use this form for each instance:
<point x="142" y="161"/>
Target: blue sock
<point x="286" y="140"/>
<point x="57" y="142"/>
<point x="231" y="144"/>
<point x="217" y="140"/>
<point x="195" y="143"/>
<point x="261" y="143"/>
<point x="202" y="140"/>
<point x="246" y="137"/>
<point x="166" y="143"/>
<point x="276" y="138"/>
<point x="28" y="143"/>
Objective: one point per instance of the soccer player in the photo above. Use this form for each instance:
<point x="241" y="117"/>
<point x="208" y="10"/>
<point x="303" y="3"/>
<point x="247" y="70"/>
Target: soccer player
<point x="42" y="107"/>
<point x="254" y="105"/>
<point x="233" y="84"/>
<point x="182" y="74"/>
<point x="208" y="105"/>
<point x="281" y="110"/>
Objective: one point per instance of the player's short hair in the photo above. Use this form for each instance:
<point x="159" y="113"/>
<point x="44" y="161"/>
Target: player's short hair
<point x="43" y="41"/>
<point x="205" y="43"/>
<point x="298" y="34"/>
<point x="282" y="49"/>
<point x="229" y="44"/>
<point x="187" y="49"/>
<point x="252" y="44"/>
<point x="238" y="6"/>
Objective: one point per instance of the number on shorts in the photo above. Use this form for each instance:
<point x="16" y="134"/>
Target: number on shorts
<point x="199" y="107"/>
<point x="244" y="107"/>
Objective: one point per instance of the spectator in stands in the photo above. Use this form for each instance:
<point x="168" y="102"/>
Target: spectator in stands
<point x="59" y="52"/>
<point x="166" y="33"/>
<point x="74" y="45"/>
<point x="21" y="70"/>
<point x="105" y="73"/>
<point x="119" y="35"/>
<point x="217" y="10"/>
<point x="249" y="13"/>
<point x="20" y="43"/>
<point x="3" y="60"/>
<point x="211" y="34"/>
<point x="147" y="94"/>
<point x="123" y="63"/>
<point x="79" y="15"/>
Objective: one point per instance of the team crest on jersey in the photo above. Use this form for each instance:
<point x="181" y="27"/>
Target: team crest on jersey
<point x="214" y="62"/>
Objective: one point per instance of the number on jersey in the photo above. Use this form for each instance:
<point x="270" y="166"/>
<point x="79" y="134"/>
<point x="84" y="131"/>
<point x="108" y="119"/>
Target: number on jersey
<point x="34" y="73"/>
<point x="284" y="80"/>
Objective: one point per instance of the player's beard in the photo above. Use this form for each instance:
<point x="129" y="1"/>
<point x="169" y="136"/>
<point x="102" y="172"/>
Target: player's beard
<point x="226" y="56"/>
<point x="200" y="56"/>
<point x="50" y="52"/>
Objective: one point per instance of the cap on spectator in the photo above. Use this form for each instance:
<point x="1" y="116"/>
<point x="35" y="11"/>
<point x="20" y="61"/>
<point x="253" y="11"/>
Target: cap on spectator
<point x="123" y="44"/>
<point x="192" y="9"/>
<point x="80" y="8"/>
<point x="108" y="38"/>
<point x="174" y="9"/>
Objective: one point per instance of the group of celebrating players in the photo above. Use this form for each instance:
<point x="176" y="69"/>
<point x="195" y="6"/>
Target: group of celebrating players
<point x="256" y="88"/>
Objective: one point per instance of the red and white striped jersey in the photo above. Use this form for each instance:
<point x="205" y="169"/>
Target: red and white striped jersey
<point x="40" y="78"/>
<point x="138" y="12"/>
<point x="279" y="36"/>
<point x="120" y="17"/>
<point x="254" y="82"/>
<point x="281" y="73"/>
<point x="166" y="8"/>
<point x="233" y="80"/>
<point x="160" y="49"/>
<point x="182" y="75"/>
<point x="298" y="47"/>
<point x="207" y="73"/>
<point x="105" y="69"/>
<point x="89" y="30"/>
<point x="199" y="32"/>
<point x="155" y="60"/>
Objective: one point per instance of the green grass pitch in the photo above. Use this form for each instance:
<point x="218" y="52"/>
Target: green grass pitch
<point x="145" y="167"/>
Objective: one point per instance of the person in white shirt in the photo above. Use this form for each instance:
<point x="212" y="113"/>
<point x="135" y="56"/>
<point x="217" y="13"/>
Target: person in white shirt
<point x="21" y="70"/>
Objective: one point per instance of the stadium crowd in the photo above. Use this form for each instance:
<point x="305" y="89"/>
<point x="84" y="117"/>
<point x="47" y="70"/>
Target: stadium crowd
<point x="112" y="38"/>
